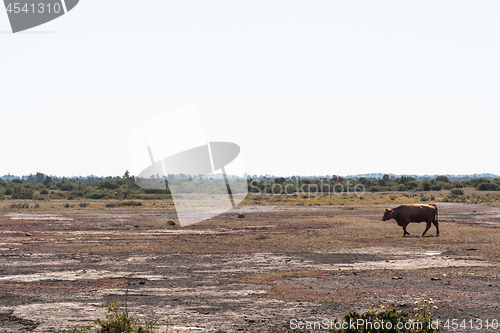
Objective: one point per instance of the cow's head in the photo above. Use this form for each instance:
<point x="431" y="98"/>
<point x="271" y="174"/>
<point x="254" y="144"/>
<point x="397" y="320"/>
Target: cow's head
<point x="387" y="215"/>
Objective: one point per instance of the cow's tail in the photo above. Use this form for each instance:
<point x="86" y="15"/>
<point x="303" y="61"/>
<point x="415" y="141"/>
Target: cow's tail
<point x="435" y="206"/>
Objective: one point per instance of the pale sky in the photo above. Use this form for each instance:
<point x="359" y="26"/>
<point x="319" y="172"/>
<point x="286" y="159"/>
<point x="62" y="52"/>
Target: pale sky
<point x="308" y="88"/>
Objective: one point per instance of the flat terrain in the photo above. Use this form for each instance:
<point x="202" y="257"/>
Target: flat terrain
<point x="59" y="262"/>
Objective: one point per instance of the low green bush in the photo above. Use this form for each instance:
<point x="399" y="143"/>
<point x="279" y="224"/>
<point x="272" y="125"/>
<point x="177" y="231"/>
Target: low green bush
<point x="487" y="186"/>
<point x="389" y="320"/>
<point x="436" y="187"/>
<point x="130" y="203"/>
<point x="442" y="179"/>
<point x="447" y="186"/>
<point x="67" y="187"/>
<point x="426" y="186"/>
<point x="117" y="321"/>
<point x="20" y="192"/>
<point x="19" y="206"/>
<point x="457" y="191"/>
<point x="124" y="203"/>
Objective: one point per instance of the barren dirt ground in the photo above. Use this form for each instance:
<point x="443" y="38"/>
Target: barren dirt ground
<point x="230" y="274"/>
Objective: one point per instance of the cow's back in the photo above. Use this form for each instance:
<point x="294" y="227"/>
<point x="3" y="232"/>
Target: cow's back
<point x="415" y="212"/>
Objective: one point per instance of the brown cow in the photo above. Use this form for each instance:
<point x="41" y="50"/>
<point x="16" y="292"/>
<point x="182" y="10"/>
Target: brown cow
<point x="405" y="214"/>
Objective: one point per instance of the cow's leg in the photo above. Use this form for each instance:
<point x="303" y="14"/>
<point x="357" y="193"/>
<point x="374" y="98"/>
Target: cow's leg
<point x="405" y="224"/>
<point x="427" y="228"/>
<point x="436" y="224"/>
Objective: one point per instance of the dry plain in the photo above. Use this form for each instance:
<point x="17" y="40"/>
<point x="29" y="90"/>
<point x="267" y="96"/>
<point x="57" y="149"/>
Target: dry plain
<point x="305" y="259"/>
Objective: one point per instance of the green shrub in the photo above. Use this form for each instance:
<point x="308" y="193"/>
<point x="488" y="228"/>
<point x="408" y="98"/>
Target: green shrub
<point x="279" y="180"/>
<point x="130" y="203"/>
<point x="487" y="186"/>
<point x="124" y="203"/>
<point x="457" y="192"/>
<point x="476" y="181"/>
<point x="371" y="321"/>
<point x="442" y="179"/>
<point x="404" y="179"/>
<point x="364" y="181"/>
<point x="95" y="195"/>
<point x="411" y="185"/>
<point x="117" y="321"/>
<point x="48" y="181"/>
<point x="67" y="187"/>
<point x="44" y="192"/>
<point x="436" y="187"/>
<point x="447" y="186"/>
<point x="19" y="206"/>
<point x="22" y="192"/>
<point x="109" y="184"/>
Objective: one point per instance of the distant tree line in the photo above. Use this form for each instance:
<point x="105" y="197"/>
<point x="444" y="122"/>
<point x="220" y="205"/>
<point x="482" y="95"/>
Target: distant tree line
<point x="384" y="184"/>
<point x="44" y="187"/>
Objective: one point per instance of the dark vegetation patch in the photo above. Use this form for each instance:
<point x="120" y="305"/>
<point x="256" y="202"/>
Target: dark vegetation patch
<point x="9" y="320"/>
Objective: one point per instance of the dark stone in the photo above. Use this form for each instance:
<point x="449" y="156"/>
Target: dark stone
<point x="171" y="223"/>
